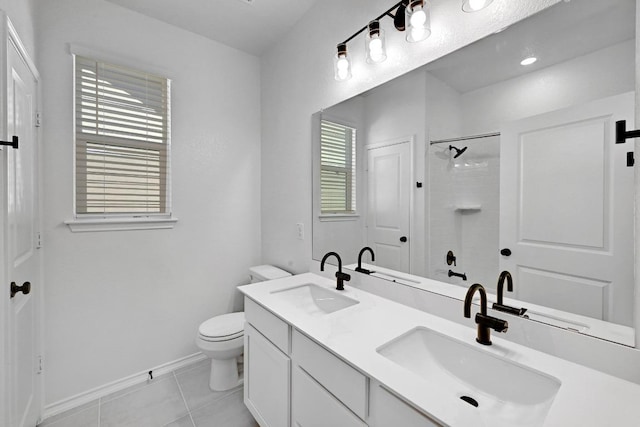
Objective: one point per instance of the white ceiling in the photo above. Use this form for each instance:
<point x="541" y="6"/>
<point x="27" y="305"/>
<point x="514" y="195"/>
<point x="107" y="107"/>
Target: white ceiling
<point x="248" y="25"/>
<point x="566" y="30"/>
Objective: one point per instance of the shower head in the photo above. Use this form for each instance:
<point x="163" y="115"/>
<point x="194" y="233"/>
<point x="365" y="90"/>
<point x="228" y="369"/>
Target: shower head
<point x="458" y="151"/>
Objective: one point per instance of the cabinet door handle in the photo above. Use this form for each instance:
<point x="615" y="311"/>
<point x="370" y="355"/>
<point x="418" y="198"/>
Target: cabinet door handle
<point x="505" y="252"/>
<point x="403" y="239"/>
<point x="25" y="288"/>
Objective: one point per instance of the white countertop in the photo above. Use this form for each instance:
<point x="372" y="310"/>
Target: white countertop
<point x="586" y="397"/>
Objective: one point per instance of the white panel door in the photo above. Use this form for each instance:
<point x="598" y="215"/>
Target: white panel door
<point x="566" y="205"/>
<point x="388" y="205"/>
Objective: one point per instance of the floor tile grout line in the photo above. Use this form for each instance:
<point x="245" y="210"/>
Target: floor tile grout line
<point x="186" y="405"/>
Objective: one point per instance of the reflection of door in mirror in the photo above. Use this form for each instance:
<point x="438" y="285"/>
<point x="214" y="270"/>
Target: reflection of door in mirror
<point x="388" y="210"/>
<point x="566" y="210"/>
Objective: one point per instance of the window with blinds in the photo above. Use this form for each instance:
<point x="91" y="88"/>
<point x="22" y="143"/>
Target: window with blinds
<point x="337" y="168"/>
<point x="122" y="140"/>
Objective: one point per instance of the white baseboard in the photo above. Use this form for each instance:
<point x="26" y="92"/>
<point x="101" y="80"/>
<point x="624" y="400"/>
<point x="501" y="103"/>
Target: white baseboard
<point x="121" y="384"/>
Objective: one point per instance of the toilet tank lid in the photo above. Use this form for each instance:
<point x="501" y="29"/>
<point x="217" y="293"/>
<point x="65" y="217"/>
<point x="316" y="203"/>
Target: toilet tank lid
<point x="268" y="272"/>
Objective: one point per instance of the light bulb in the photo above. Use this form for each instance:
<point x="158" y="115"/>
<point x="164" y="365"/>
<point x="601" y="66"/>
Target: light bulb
<point x="341" y="64"/>
<point x="418" y="17"/>
<point x="418" y="34"/>
<point x="418" y="21"/>
<point x="375" y="43"/>
<point x="477" y="4"/>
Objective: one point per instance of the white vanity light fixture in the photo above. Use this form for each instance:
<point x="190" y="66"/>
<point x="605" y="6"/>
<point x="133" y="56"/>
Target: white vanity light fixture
<point x="418" y="18"/>
<point x="528" y="61"/>
<point x="475" y="5"/>
<point x="375" y="43"/>
<point x="342" y="63"/>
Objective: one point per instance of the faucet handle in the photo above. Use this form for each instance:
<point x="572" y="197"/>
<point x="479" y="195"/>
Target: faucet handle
<point x="344" y="276"/>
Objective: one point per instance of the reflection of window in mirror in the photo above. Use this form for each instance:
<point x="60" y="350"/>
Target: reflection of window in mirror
<point x="337" y="168"/>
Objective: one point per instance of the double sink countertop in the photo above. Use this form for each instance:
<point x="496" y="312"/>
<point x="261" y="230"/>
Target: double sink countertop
<point x="360" y="333"/>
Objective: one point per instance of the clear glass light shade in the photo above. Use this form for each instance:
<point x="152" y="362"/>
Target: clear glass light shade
<point x="342" y="66"/>
<point x="418" y="18"/>
<point x="475" y="5"/>
<point x="375" y="46"/>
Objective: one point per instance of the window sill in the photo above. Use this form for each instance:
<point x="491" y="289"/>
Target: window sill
<point x="339" y="217"/>
<point x="119" y="224"/>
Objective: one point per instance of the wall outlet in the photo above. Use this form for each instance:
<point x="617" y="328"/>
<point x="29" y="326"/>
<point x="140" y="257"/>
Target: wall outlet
<point x="300" y="230"/>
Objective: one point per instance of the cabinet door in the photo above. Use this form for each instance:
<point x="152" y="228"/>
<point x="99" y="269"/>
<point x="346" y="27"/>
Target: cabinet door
<point x="313" y="406"/>
<point x="389" y="411"/>
<point x="267" y="378"/>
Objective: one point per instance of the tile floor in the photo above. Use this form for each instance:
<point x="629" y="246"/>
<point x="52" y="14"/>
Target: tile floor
<point x="178" y="399"/>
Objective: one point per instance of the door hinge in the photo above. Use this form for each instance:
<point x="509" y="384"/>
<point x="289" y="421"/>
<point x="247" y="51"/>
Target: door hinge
<point x="38" y="240"/>
<point x="40" y="365"/>
<point x="630" y="159"/>
<point x="38" y="119"/>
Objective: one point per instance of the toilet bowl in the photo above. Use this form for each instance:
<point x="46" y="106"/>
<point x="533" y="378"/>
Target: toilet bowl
<point x="221" y="338"/>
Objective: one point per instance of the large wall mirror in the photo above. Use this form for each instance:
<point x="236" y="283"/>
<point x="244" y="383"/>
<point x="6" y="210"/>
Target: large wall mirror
<point x="501" y="165"/>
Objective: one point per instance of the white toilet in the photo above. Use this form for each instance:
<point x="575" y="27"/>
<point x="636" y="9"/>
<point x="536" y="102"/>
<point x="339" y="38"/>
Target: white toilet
<point x="222" y="337"/>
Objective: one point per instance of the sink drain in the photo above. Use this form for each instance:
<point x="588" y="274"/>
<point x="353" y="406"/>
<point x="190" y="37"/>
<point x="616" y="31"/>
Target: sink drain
<point x="470" y="400"/>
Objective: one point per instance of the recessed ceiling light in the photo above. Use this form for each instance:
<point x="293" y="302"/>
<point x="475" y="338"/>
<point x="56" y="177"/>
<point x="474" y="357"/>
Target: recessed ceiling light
<point x="528" y="61"/>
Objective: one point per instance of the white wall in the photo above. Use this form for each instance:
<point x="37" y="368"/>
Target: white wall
<point x="118" y="303"/>
<point x="297" y="80"/>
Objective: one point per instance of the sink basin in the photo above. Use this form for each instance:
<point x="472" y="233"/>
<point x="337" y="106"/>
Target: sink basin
<point x="315" y="299"/>
<point x="503" y="392"/>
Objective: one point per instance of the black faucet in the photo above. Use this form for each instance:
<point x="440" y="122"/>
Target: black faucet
<point x="359" y="268"/>
<point x="340" y="276"/>
<point x="500" y="306"/>
<point x="452" y="273"/>
<point x="483" y="321"/>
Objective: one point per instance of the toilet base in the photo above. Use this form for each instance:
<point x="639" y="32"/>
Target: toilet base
<point x="224" y="374"/>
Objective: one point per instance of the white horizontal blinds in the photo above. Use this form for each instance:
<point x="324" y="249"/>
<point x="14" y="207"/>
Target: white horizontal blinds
<point x="337" y="168"/>
<point x="122" y="140"/>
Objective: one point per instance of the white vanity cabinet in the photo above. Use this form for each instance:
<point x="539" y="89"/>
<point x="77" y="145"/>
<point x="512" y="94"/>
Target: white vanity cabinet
<point x="387" y="410"/>
<point x="290" y="380"/>
<point x="267" y="366"/>
<point x="326" y="391"/>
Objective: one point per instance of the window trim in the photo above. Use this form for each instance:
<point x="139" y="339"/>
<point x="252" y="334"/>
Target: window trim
<point x="88" y="222"/>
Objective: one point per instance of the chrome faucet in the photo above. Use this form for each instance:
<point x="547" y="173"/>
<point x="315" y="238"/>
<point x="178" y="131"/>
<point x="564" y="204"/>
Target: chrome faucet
<point x="340" y="276"/>
<point x="359" y="268"/>
<point x="484" y="322"/>
<point x="500" y="306"/>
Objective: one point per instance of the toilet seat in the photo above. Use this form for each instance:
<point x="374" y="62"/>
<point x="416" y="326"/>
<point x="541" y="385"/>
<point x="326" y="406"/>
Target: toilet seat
<point x="225" y="327"/>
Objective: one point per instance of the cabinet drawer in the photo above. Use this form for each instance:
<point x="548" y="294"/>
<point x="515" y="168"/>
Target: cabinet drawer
<point x="389" y="411"/>
<point x="271" y="326"/>
<point x="313" y="406"/>
<point x="343" y="381"/>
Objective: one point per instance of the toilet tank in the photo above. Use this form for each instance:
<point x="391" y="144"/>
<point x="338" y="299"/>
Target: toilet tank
<point x="261" y="273"/>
